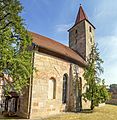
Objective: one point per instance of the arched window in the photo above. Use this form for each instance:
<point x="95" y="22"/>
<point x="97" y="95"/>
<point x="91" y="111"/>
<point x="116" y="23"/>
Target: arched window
<point x="80" y="83"/>
<point x="52" y="89"/>
<point x="64" y="95"/>
<point x="80" y="93"/>
<point x="90" y="29"/>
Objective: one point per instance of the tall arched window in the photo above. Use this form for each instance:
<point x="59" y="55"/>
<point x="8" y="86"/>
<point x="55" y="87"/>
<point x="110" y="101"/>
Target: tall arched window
<point x="80" y="84"/>
<point x="52" y="89"/>
<point x="80" y="93"/>
<point x="64" y="95"/>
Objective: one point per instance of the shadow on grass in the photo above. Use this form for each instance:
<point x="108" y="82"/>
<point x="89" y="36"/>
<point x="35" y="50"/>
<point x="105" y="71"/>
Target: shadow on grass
<point x="86" y="111"/>
<point x="9" y="117"/>
<point x="111" y="104"/>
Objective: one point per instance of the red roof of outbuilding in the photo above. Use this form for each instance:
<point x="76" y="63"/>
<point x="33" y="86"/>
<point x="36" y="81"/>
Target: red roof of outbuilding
<point x="59" y="49"/>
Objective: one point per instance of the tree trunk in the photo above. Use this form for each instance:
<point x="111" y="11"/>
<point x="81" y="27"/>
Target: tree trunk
<point x="92" y="101"/>
<point x="92" y="104"/>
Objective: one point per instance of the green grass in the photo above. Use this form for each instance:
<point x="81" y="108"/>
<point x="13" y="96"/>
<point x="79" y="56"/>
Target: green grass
<point x="107" y="112"/>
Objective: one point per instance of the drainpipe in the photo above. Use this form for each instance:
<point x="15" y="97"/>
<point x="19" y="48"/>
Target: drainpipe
<point x="30" y="87"/>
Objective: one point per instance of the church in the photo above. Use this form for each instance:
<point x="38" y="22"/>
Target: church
<point x="57" y="84"/>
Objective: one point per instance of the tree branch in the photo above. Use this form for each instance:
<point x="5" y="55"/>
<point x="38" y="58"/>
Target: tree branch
<point x="3" y="7"/>
<point x="6" y="26"/>
<point x="4" y="16"/>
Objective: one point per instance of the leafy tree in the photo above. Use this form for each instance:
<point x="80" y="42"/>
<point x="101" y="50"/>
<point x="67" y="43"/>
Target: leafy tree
<point x="15" y="56"/>
<point x="96" y="90"/>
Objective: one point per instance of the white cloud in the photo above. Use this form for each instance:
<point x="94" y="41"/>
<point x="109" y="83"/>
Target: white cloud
<point x="108" y="49"/>
<point x="105" y="9"/>
<point x="63" y="27"/>
<point x="105" y="16"/>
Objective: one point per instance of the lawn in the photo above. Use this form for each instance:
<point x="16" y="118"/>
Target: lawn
<point x="107" y="112"/>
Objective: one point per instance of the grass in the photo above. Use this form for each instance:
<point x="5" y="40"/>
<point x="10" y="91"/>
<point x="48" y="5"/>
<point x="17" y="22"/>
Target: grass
<point x="107" y="112"/>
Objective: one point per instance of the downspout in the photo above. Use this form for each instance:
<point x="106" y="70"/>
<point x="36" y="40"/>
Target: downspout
<point x="30" y="87"/>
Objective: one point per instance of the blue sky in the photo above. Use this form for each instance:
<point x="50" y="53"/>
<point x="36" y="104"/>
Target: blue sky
<point x="52" y="18"/>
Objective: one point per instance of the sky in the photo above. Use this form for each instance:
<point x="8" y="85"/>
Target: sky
<point x="52" y="18"/>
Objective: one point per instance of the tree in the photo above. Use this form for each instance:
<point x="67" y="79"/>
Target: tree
<point x="15" y="56"/>
<point x="96" y="90"/>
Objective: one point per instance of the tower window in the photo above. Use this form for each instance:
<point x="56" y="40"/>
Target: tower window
<point x="91" y="39"/>
<point x="76" y="32"/>
<point x="90" y="29"/>
<point x="75" y="41"/>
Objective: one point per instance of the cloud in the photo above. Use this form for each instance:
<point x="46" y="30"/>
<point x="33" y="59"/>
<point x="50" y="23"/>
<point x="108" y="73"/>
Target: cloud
<point x="63" y="27"/>
<point x="105" y="17"/>
<point x="108" y="49"/>
<point x="105" y="9"/>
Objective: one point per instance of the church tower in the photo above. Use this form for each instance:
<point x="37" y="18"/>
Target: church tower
<point x="81" y="35"/>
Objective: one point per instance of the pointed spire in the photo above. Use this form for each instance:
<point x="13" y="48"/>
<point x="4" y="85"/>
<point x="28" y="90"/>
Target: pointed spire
<point x="81" y="15"/>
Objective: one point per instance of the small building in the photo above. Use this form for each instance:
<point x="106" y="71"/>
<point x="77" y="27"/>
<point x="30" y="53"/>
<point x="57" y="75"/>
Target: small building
<point x="113" y="91"/>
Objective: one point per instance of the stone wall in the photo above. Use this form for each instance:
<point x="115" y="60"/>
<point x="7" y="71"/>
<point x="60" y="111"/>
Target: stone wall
<point x="74" y="102"/>
<point x="23" y="104"/>
<point x="113" y="100"/>
<point x="85" y="104"/>
<point x="77" y="38"/>
<point x="47" y="67"/>
<point x="1" y="91"/>
<point x="90" y="37"/>
<point x="81" y="38"/>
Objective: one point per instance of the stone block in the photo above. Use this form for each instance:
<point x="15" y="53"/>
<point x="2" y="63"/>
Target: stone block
<point x="35" y="104"/>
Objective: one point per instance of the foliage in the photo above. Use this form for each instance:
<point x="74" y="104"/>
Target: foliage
<point x="15" y="57"/>
<point x="95" y="89"/>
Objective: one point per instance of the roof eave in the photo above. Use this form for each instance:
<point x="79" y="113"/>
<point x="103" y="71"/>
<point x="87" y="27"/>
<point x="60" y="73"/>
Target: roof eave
<point x="59" y="55"/>
<point x="80" y="22"/>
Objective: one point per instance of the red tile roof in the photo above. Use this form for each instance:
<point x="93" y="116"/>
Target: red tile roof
<point x="59" y="49"/>
<point x="81" y="15"/>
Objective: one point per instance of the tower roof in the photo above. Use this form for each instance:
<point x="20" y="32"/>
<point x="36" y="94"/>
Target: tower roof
<point x="81" y="15"/>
